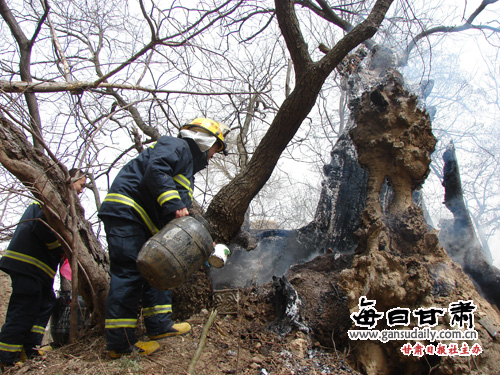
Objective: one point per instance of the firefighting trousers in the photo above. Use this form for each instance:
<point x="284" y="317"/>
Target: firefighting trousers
<point x="30" y="306"/>
<point x="129" y="291"/>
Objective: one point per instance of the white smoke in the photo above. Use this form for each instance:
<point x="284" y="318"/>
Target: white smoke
<point x="275" y="253"/>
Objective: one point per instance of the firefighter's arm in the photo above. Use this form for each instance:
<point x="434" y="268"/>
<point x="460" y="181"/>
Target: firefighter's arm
<point x="44" y="233"/>
<point x="165" y="163"/>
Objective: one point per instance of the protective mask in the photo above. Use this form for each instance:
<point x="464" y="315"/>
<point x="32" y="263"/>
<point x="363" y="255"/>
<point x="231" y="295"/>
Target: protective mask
<point x="203" y="140"/>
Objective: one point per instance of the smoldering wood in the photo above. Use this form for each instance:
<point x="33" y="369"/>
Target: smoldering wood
<point x="342" y="198"/>
<point x="315" y="253"/>
<point x="398" y="261"/>
<point x="375" y="241"/>
<point x="288" y="308"/>
<point x="459" y="238"/>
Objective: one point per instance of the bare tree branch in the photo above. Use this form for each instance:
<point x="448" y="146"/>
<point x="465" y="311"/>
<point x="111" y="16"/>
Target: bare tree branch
<point x="163" y="41"/>
<point x="78" y="87"/>
<point x="228" y="207"/>
<point x="25" y="47"/>
<point x="290" y="29"/>
<point x="467" y="25"/>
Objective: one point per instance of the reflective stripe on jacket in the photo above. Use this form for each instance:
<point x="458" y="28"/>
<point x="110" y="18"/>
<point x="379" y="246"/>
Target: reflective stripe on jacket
<point x="158" y="182"/>
<point x="34" y="249"/>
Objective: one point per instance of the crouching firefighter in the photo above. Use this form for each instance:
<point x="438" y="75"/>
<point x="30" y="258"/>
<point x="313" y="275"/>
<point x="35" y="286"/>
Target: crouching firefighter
<point x="148" y="192"/>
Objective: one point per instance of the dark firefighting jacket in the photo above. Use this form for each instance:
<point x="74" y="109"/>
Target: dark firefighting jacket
<point x="34" y="249"/>
<point x="151" y="187"/>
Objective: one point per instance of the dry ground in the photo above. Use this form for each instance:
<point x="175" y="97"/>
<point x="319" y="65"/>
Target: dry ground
<point x="236" y="344"/>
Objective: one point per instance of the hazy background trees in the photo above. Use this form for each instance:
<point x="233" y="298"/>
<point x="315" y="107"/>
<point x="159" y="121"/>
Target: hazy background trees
<point x="160" y="64"/>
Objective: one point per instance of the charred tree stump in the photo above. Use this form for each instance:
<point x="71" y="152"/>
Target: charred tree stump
<point x="399" y="262"/>
<point x="374" y="241"/>
<point x="459" y="237"/>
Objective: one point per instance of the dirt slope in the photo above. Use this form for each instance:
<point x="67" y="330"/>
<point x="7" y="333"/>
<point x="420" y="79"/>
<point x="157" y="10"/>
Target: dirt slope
<point x="236" y="344"/>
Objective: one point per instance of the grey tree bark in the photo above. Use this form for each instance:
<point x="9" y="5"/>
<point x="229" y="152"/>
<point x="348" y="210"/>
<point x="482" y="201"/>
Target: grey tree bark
<point x="50" y="184"/>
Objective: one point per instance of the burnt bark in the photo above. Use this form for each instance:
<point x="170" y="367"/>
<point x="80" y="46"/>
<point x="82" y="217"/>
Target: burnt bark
<point x="342" y="198"/>
<point x="453" y="194"/>
<point x="50" y="184"/>
<point x="399" y="261"/>
<point x="459" y="236"/>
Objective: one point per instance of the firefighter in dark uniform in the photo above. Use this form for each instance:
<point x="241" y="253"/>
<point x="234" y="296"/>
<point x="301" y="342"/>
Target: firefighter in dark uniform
<point x="31" y="260"/>
<point x="148" y="192"/>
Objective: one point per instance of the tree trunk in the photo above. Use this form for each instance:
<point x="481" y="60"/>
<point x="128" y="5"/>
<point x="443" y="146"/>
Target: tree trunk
<point x="342" y="197"/>
<point x="459" y="237"/>
<point x="46" y="180"/>
<point x="227" y="210"/>
<point x="399" y="262"/>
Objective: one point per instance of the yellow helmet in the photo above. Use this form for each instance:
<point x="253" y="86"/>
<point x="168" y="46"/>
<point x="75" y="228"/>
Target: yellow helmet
<point x="217" y="129"/>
